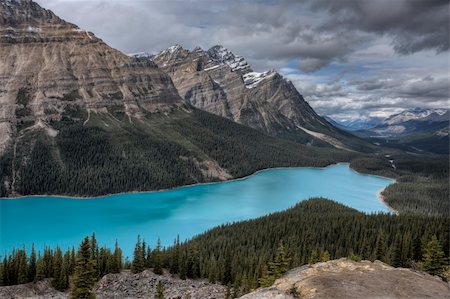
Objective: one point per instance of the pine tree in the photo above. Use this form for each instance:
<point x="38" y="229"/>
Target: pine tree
<point x="138" y="264"/>
<point x="63" y="281"/>
<point x="5" y="272"/>
<point x="159" y="291"/>
<point x="434" y="260"/>
<point x="417" y="249"/>
<point x="276" y="268"/>
<point x="380" y="247"/>
<point x="47" y="259"/>
<point x="325" y="257"/>
<point x="157" y="269"/>
<point x="144" y="253"/>
<point x="183" y="266"/>
<point x="57" y="267"/>
<point x="84" y="276"/>
<point x="40" y="272"/>
<point x="117" y="259"/>
<point x="212" y="269"/>
<point x="396" y="260"/>
<point x="95" y="255"/>
<point x="175" y="257"/>
<point x="314" y="257"/>
<point x="22" y="276"/>
<point x="32" y="266"/>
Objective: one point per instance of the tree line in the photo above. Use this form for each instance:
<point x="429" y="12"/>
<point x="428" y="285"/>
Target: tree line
<point x="83" y="267"/>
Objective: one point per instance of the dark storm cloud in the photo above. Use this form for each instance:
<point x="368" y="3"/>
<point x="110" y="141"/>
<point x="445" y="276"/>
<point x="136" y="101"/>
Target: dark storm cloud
<point x="387" y="37"/>
<point x="267" y="32"/>
<point x="427" y="87"/>
<point x="414" y="25"/>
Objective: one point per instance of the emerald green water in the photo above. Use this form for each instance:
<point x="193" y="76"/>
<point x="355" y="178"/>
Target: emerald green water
<point x="185" y="211"/>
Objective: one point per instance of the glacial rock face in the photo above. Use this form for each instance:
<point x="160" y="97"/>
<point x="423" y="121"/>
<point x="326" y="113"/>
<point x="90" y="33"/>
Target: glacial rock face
<point x="349" y="279"/>
<point x="224" y="84"/>
<point x="49" y="65"/>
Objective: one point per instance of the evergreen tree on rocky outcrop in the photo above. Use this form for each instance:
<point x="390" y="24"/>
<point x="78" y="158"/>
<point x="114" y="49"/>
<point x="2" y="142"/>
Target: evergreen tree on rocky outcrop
<point x="138" y="264"/>
<point x="276" y="268"/>
<point x="63" y="277"/>
<point x="380" y="247"/>
<point x="157" y="268"/>
<point x="23" y="267"/>
<point x="40" y="274"/>
<point x="159" y="291"/>
<point x="32" y="264"/>
<point x="434" y="260"/>
<point x="117" y="259"/>
<point x="57" y="270"/>
<point x="85" y="275"/>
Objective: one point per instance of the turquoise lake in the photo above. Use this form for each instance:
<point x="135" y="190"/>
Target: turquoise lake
<point x="185" y="211"/>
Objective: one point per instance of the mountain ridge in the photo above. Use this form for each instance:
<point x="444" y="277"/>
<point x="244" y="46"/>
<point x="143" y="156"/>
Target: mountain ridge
<point x="220" y="82"/>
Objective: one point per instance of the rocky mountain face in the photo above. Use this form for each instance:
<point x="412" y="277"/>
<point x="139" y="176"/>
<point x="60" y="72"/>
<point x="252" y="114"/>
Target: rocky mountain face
<point x="222" y="83"/>
<point x="125" y="285"/>
<point x="348" y="279"/>
<point x="50" y="66"/>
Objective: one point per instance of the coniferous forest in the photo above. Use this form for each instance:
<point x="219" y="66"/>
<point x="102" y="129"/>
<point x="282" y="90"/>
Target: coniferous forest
<point x="253" y="253"/>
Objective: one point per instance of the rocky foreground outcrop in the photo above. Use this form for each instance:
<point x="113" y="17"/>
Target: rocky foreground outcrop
<point x="335" y="279"/>
<point x="345" y="278"/>
<point x="125" y="285"/>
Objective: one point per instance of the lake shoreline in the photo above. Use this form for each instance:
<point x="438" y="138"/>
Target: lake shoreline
<point x="379" y="196"/>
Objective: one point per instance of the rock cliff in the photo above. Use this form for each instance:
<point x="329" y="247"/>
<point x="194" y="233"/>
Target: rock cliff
<point x="125" y="285"/>
<point x="49" y="66"/>
<point x="345" y="278"/>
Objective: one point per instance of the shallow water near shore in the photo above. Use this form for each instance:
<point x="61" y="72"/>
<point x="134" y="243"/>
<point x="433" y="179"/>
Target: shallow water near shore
<point x="185" y="211"/>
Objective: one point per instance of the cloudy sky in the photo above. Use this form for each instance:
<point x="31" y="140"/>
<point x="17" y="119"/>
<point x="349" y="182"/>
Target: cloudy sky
<point x="349" y="58"/>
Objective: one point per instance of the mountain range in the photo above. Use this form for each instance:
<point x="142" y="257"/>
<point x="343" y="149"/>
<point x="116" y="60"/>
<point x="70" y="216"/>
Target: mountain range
<point x="79" y="117"/>
<point x="414" y="130"/>
<point x="222" y="83"/>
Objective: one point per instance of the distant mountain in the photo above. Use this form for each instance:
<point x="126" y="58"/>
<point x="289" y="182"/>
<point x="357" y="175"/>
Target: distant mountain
<point x="351" y="125"/>
<point x="223" y="83"/>
<point x="417" y="114"/>
<point x="413" y="130"/>
<point x="361" y="124"/>
<point x="412" y="121"/>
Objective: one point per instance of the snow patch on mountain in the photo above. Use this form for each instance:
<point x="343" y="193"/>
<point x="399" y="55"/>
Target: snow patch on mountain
<point x="252" y="79"/>
<point x="141" y="55"/>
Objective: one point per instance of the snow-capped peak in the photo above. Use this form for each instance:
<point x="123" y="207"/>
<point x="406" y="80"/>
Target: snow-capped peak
<point x="141" y="55"/>
<point x="223" y="55"/>
<point x="412" y="114"/>
<point x="173" y="48"/>
<point x="169" y="51"/>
